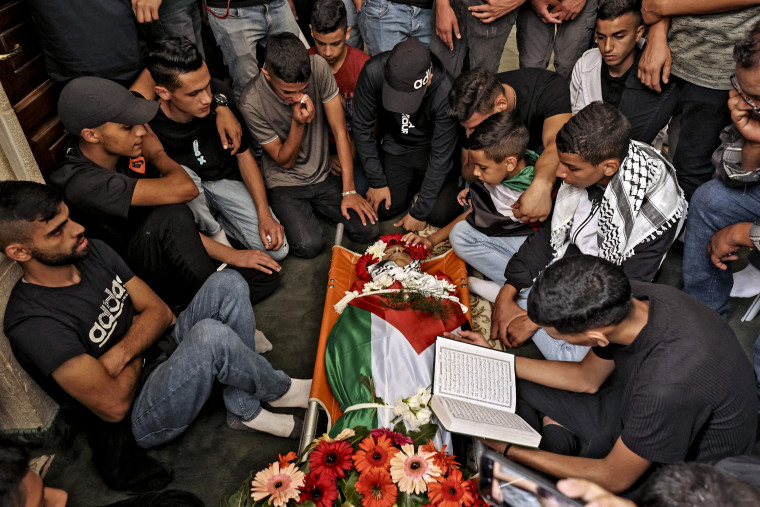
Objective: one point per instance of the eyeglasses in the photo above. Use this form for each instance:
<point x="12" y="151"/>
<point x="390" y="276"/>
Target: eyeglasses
<point x="748" y="100"/>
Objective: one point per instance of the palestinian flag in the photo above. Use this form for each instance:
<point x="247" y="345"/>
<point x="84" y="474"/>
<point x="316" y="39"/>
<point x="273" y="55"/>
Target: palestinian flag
<point x="372" y="346"/>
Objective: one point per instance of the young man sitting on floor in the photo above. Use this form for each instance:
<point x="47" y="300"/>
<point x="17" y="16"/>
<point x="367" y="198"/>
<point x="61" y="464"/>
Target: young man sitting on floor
<point x="86" y="327"/>
<point x="105" y="181"/>
<point x="288" y="108"/>
<point x="619" y="200"/>
<point x="487" y="235"/>
<point x="682" y="389"/>
<point x="540" y="99"/>
<point x="230" y="185"/>
<point x="610" y="72"/>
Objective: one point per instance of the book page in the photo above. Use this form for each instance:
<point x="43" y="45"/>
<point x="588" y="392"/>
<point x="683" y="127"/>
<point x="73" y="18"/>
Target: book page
<point x="471" y="412"/>
<point x="474" y="374"/>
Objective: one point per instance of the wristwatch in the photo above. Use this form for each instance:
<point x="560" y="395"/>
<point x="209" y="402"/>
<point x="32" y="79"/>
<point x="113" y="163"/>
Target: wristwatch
<point x="754" y="234"/>
<point x="221" y="99"/>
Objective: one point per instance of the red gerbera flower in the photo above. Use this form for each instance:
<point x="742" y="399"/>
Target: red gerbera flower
<point x="417" y="252"/>
<point x="397" y="438"/>
<point x="376" y="489"/>
<point x="361" y="266"/>
<point x="392" y="239"/>
<point x="331" y="459"/>
<point x="319" y="489"/>
<point x="451" y="491"/>
<point x="374" y="455"/>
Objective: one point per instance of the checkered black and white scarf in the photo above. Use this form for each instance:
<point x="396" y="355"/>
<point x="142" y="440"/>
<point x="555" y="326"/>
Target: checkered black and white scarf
<point x="641" y="202"/>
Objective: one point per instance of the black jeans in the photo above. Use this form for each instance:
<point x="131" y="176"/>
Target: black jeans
<point x="296" y="207"/>
<point x="167" y="253"/>
<point x="704" y="113"/>
<point x="405" y="174"/>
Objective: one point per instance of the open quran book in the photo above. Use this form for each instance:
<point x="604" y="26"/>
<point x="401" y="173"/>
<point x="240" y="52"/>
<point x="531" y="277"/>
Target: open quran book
<point x="474" y="393"/>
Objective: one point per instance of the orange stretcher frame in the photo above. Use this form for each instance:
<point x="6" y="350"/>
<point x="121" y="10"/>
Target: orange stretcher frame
<point x="340" y="279"/>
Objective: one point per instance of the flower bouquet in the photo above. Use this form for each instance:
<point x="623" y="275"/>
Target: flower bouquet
<point x="363" y="467"/>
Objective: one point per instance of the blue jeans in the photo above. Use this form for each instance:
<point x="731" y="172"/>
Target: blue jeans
<point x="236" y="213"/>
<point x="384" y="24"/>
<point x="713" y="207"/>
<point x="756" y="357"/>
<point x="551" y="348"/>
<point x="487" y="254"/>
<point x="352" y="18"/>
<point x="185" y="22"/>
<point x="244" y="27"/>
<point x="215" y="337"/>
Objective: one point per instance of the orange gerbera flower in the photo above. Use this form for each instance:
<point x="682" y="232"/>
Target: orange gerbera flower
<point x="376" y="489"/>
<point x="441" y="459"/>
<point x="374" y="455"/>
<point x="450" y="491"/>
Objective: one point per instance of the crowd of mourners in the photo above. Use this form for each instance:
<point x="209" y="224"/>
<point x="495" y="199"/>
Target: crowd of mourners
<point x="181" y="192"/>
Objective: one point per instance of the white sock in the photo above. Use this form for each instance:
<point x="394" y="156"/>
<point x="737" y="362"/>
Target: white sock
<point x="281" y="425"/>
<point x="221" y="237"/>
<point x="746" y="283"/>
<point x="484" y="288"/>
<point x="261" y="344"/>
<point x="297" y="395"/>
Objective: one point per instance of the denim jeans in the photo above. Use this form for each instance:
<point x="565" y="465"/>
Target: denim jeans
<point x="487" y="254"/>
<point x="352" y="19"/>
<point x="185" y="22"/>
<point x="239" y="32"/>
<point x="536" y="40"/>
<point x="713" y="207"/>
<point x="296" y="206"/>
<point x="756" y="357"/>
<point x="553" y="349"/>
<point x="384" y="24"/>
<point x="483" y="42"/>
<point x="236" y="213"/>
<point x="215" y="337"/>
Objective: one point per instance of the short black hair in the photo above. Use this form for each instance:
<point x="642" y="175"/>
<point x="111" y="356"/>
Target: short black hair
<point x="747" y="50"/>
<point x="170" y="56"/>
<point x="23" y="203"/>
<point x="687" y="484"/>
<point x="474" y="91"/>
<point x="328" y="16"/>
<point x="579" y="293"/>
<point x="14" y="465"/>
<point x="287" y="58"/>
<point x="597" y="133"/>
<point x="611" y="9"/>
<point x="499" y="136"/>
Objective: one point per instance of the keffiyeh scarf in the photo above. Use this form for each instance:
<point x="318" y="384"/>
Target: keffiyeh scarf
<point x="640" y="203"/>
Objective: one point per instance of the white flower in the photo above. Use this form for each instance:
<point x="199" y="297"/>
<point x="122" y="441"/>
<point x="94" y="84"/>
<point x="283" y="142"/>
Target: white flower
<point x="402" y="410"/>
<point x="377" y="250"/>
<point x="424" y="394"/>
<point x="423" y="416"/>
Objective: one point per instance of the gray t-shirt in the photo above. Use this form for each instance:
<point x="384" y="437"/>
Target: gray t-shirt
<point x="702" y="46"/>
<point x="268" y="117"/>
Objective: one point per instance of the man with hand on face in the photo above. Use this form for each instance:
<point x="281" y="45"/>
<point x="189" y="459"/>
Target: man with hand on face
<point x="288" y="108"/>
<point x="619" y="200"/>
<point x="229" y="184"/>
<point x="540" y="99"/>
<point x="404" y="92"/>
<point x="682" y="389"/>
<point x="610" y="72"/>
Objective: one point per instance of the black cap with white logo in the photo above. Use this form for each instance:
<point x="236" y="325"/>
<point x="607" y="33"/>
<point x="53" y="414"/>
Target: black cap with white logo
<point x="89" y="102"/>
<point x="407" y="72"/>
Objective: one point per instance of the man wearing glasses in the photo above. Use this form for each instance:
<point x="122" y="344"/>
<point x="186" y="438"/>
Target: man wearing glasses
<point x="725" y="212"/>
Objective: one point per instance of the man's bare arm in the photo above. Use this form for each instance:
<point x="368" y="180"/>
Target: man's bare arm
<point x="585" y="376"/>
<point x="152" y="317"/>
<point x="663" y="8"/>
<point x="254" y="182"/>
<point x="255" y="259"/>
<point x="174" y="186"/>
<point x="285" y="153"/>
<point x="86" y="380"/>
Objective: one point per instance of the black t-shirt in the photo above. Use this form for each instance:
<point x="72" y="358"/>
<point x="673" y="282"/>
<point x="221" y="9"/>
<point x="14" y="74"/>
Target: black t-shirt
<point x="47" y="326"/>
<point x="541" y="94"/>
<point x="690" y="390"/>
<point x="101" y="199"/>
<point x="613" y="87"/>
<point x="196" y="144"/>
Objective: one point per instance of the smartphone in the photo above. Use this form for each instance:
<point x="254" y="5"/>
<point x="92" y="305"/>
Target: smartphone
<point x="506" y="483"/>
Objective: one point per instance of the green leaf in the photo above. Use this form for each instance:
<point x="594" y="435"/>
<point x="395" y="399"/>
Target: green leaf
<point x="400" y="428"/>
<point x="406" y="500"/>
<point x="425" y="433"/>
<point x="241" y="497"/>
<point x="347" y="486"/>
<point x="308" y="503"/>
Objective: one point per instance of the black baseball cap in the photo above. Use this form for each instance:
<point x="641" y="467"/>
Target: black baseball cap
<point x="89" y="102"/>
<point x="407" y="71"/>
